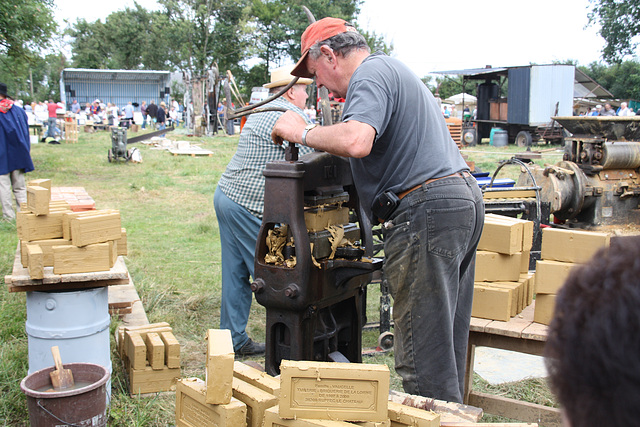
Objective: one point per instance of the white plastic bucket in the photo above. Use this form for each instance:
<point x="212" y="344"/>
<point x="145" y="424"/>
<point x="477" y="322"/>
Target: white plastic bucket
<point x="76" y="321"/>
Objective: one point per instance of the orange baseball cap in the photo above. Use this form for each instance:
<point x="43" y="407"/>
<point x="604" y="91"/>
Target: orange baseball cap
<point x="318" y="31"/>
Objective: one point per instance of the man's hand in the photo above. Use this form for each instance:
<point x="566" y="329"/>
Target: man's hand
<point x="289" y="127"/>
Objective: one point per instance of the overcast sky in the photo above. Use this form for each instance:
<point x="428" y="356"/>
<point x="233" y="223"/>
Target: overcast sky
<point x="448" y="35"/>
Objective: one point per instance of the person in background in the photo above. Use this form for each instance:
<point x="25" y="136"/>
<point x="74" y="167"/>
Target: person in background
<point x="173" y="117"/>
<point x="128" y="115"/>
<point x="52" y="129"/>
<point x="410" y="177"/>
<point x="143" y="110"/>
<point x="15" y="157"/>
<point x="75" y="107"/>
<point x="239" y="205"/>
<point x="625" y="111"/>
<point x="608" y="110"/>
<point x="593" y="341"/>
<point x="152" y="111"/>
<point x="96" y="111"/>
<point x="161" y="117"/>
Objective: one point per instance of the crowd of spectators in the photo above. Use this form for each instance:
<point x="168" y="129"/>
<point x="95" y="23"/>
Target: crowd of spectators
<point x="48" y="113"/>
<point x="608" y="110"/>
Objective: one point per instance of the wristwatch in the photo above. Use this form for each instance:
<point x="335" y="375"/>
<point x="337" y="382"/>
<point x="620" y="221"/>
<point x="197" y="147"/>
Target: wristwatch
<point x="306" y="130"/>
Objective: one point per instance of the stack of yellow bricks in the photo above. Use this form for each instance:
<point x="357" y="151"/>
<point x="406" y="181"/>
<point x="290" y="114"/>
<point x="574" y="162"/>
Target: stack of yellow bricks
<point x="561" y="251"/>
<point x="503" y="283"/>
<point x="51" y="235"/>
<point x="307" y="394"/>
<point x="151" y="355"/>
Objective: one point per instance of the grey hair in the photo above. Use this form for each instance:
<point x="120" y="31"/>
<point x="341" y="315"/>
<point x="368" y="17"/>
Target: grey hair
<point x="343" y="43"/>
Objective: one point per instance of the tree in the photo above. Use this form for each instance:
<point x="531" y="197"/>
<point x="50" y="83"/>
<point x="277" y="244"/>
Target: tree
<point x="619" y="23"/>
<point x="26" y="29"/>
<point x="26" y="26"/>
<point x="129" y="39"/>
<point x="202" y="33"/>
<point x="622" y="80"/>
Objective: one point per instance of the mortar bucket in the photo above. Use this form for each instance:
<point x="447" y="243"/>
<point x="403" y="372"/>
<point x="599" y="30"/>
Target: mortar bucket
<point x="83" y="406"/>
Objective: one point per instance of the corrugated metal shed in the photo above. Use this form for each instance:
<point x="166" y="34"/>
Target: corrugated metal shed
<point x="519" y="95"/>
<point x="115" y="86"/>
<point x="551" y="85"/>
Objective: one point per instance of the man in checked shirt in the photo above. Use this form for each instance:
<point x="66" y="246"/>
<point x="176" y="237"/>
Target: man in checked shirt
<point x="239" y="205"/>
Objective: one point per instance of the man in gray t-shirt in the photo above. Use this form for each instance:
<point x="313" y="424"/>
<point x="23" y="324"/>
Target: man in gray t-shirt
<point x="411" y="176"/>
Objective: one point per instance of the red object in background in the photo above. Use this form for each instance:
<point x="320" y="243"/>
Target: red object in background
<point x="243" y="120"/>
<point x="77" y="197"/>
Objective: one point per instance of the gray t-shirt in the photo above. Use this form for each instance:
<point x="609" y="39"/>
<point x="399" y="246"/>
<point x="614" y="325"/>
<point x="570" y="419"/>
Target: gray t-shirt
<point x="412" y="141"/>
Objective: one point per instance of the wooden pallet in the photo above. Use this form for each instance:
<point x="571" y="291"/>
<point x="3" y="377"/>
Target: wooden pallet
<point x="20" y="280"/>
<point x="193" y="152"/>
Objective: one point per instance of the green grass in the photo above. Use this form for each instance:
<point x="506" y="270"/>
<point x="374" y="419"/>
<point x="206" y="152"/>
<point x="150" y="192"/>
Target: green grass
<point x="166" y="205"/>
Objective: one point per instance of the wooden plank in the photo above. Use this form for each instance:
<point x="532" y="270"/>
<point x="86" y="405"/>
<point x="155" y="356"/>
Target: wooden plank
<point x="46" y="183"/>
<point x="155" y="350"/>
<point x="87" y="259"/>
<point x="38" y="200"/>
<point x="90" y="229"/>
<point x="478" y="324"/>
<point x="117" y="275"/>
<point x="149" y="381"/>
<point x="515" y="194"/>
<point x="66" y="219"/>
<point x="62" y="286"/>
<point x="449" y="411"/>
<point x="122" y="296"/>
<point x="46" y="246"/>
<point x="535" y="331"/>
<point x="492" y="303"/>
<point x="219" y="366"/>
<point x="517" y="410"/>
<point x="35" y="261"/>
<point x="135" y="350"/>
<point x="171" y="349"/>
<point x="512" y="328"/>
<point x="31" y="227"/>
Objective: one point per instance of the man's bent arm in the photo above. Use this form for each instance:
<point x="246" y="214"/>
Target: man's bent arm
<point x="347" y="139"/>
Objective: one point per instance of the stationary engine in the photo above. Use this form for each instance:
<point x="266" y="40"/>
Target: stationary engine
<point x="598" y="181"/>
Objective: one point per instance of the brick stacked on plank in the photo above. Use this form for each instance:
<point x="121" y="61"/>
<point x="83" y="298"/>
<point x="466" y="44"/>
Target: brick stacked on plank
<point x="308" y="394"/>
<point x="151" y="355"/>
<point x="503" y="284"/>
<point x="561" y="251"/>
<point x="52" y="235"/>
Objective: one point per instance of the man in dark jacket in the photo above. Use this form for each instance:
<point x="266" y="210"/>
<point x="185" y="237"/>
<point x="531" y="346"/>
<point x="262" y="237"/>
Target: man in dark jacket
<point x="152" y="111"/>
<point x="15" y="159"/>
<point x="161" y="117"/>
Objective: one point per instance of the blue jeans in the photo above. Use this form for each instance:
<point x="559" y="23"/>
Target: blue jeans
<point x="430" y="245"/>
<point x="238" y="234"/>
<point x="162" y="126"/>
<point x="52" y="129"/>
<point x="144" y="121"/>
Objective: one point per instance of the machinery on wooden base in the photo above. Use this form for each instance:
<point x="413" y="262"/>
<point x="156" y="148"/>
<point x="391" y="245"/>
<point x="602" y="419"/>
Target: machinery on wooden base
<point x="313" y="261"/>
<point x="598" y="181"/>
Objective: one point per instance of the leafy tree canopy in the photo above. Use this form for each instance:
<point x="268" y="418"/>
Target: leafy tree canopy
<point x="622" y="80"/>
<point x="26" y="26"/>
<point x="620" y="24"/>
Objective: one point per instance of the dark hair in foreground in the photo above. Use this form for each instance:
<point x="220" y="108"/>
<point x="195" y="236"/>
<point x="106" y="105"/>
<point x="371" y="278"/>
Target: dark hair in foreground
<point x="593" y="346"/>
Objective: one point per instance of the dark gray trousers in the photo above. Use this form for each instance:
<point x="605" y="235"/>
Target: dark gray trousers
<point x="430" y="244"/>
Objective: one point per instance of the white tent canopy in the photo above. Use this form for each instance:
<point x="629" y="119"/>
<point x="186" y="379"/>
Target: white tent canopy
<point x="458" y="99"/>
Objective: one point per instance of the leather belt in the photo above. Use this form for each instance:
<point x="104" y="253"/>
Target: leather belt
<point x="429" y="181"/>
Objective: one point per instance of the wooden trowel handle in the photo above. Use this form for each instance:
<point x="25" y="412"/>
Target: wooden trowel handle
<point x="55" y="351"/>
